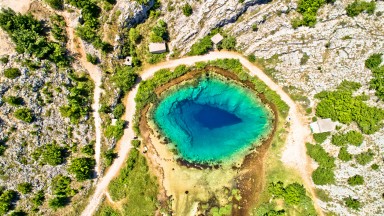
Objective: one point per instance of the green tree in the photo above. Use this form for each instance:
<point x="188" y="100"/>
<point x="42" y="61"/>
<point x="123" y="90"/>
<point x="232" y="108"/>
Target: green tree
<point x="109" y="156"/>
<point x="88" y="149"/>
<point x="202" y="46"/>
<point x="134" y="35"/>
<point x="365" y="157"/>
<point x="294" y="193"/>
<point x="115" y="131"/>
<point x="51" y="154"/>
<point x="57" y="202"/>
<point x="118" y="111"/>
<point x="358" y="7"/>
<point x="38" y="199"/>
<point x="24" y="188"/>
<point x="344" y="154"/>
<point x="321" y="137"/>
<point x="82" y="168"/>
<point x="373" y="61"/>
<point x="187" y="10"/>
<point x="12" y="73"/>
<point x="92" y="58"/>
<point x="14" y="101"/>
<point x="24" y="114"/>
<point x="323" y="176"/>
<point x="124" y="78"/>
<point x="228" y="43"/>
<point x="6" y="198"/>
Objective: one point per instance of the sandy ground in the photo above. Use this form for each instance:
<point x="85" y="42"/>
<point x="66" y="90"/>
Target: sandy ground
<point x="294" y="154"/>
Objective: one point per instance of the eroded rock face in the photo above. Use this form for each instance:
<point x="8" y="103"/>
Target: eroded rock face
<point x="132" y="12"/>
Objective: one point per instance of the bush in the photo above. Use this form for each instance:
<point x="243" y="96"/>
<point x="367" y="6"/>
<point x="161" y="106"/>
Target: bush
<point x="353" y="137"/>
<point x="320" y="156"/>
<point x="365" y="157"/>
<point x="375" y="166"/>
<point x="92" y="59"/>
<point x="14" y="101"/>
<point x="24" y="188"/>
<point x="321" y="137"/>
<point x="159" y="32"/>
<point x="2" y="149"/>
<point x="344" y="154"/>
<point x="373" y="61"/>
<point x="323" y="176"/>
<point x="109" y="156"/>
<point x="358" y="7"/>
<point x="4" y="59"/>
<point x="82" y="168"/>
<point x="356" y="180"/>
<point x="51" y="154"/>
<point x="124" y="78"/>
<point x="187" y="10"/>
<point x="202" y="46"/>
<point x="12" y="73"/>
<point x="136" y="143"/>
<point x="38" y="199"/>
<point x="118" y="111"/>
<point x="228" y="43"/>
<point x="6" y="198"/>
<point x="24" y="114"/>
<point x="352" y="203"/>
<point x="57" y="202"/>
<point x="252" y="58"/>
<point x="115" y="131"/>
<point x="88" y="150"/>
<point x="308" y="8"/>
<point x="55" y="4"/>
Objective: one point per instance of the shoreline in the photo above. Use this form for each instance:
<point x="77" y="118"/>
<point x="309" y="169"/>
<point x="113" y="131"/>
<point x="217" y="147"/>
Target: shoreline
<point x="252" y="162"/>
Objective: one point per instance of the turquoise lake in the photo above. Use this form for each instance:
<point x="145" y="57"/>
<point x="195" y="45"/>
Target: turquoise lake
<point x="213" y="120"/>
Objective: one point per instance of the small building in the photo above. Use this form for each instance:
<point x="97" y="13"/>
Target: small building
<point x="322" y="125"/>
<point x="128" y="61"/>
<point x="217" y="38"/>
<point x="157" y="48"/>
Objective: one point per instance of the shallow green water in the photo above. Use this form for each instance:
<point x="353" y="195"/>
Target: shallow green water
<point x="213" y="120"/>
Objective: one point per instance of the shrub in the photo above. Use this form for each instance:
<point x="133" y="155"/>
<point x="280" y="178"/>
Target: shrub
<point x="323" y="176"/>
<point x="375" y="166"/>
<point x="38" y="199"/>
<point x="228" y="43"/>
<point x="2" y="149"/>
<point x="353" y="137"/>
<point x="352" y="203"/>
<point x="356" y="180"/>
<point x="51" y="154"/>
<point x="82" y="168"/>
<point x="14" y="101"/>
<point x="252" y="58"/>
<point x="57" y="202"/>
<point x="373" y="61"/>
<point x="109" y="156"/>
<point x="12" y="73"/>
<point x="255" y="27"/>
<point x="187" y="10"/>
<point x="24" y="114"/>
<point x="202" y="46"/>
<point x="115" y="131"/>
<point x="88" y="149"/>
<point x="320" y="156"/>
<point x="92" y="59"/>
<point x="321" y="137"/>
<point x="124" y="78"/>
<point x="308" y="8"/>
<point x="6" y="198"/>
<point x="118" y="111"/>
<point x="24" y="188"/>
<point x="4" y="59"/>
<point x="344" y="154"/>
<point x="136" y="143"/>
<point x="159" y="32"/>
<point x="358" y="7"/>
<point x="365" y="157"/>
<point x="55" y="4"/>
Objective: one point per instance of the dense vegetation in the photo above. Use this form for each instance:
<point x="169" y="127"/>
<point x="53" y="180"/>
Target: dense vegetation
<point x="61" y="189"/>
<point x="357" y="7"/>
<point x="321" y="137"/>
<point x="365" y="157"/>
<point x="6" y="198"/>
<point x="344" y="155"/>
<point x="92" y="58"/>
<point x="115" y="131"/>
<point x="28" y="35"/>
<point x="136" y="186"/>
<point x="124" y="78"/>
<point x="204" y="45"/>
<point x="187" y="10"/>
<point x="24" y="114"/>
<point x="55" y="4"/>
<point x="82" y="168"/>
<point x="58" y="28"/>
<point x="324" y="173"/>
<point x="352" y="137"/>
<point x="352" y="203"/>
<point x="51" y="154"/>
<point x="79" y="98"/>
<point x="308" y="8"/>
<point x="12" y="73"/>
<point x="341" y="106"/>
<point x="377" y="82"/>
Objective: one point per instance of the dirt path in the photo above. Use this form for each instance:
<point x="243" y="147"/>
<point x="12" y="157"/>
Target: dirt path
<point x="77" y="48"/>
<point x="294" y="155"/>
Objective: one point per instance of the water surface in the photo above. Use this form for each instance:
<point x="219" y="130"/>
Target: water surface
<point x="212" y="120"/>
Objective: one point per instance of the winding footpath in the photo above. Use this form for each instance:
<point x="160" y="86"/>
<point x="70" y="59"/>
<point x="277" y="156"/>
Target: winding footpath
<point x="294" y="154"/>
